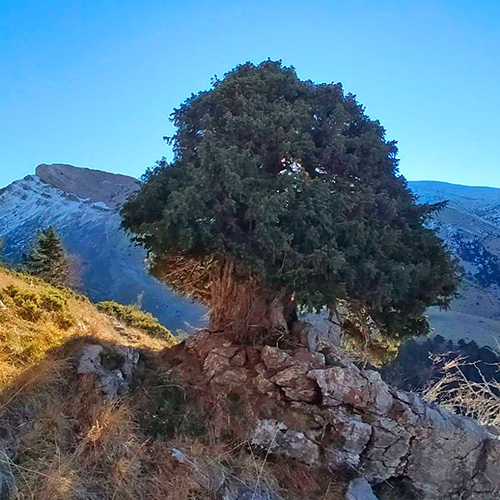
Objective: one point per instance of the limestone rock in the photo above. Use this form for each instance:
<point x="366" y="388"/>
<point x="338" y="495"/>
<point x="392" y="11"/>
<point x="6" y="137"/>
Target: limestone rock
<point x="338" y="417"/>
<point x="98" y="186"/>
<point x="239" y="359"/>
<point x="276" y="437"/>
<point x="360" y="489"/>
<point x="274" y="358"/>
<point x="90" y="359"/>
<point x="295" y="384"/>
<point x="215" y="363"/>
<point x="234" y="376"/>
<point x="349" y="386"/>
<point x="113" y="368"/>
<point x="264" y="385"/>
<point x="351" y="435"/>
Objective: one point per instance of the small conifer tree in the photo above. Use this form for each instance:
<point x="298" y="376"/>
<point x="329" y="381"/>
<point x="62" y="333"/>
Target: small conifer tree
<point x="48" y="259"/>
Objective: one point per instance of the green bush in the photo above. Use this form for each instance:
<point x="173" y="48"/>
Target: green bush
<point x="32" y="305"/>
<point x="132" y="316"/>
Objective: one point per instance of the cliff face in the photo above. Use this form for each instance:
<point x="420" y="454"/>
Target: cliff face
<point x="82" y="205"/>
<point x="87" y="184"/>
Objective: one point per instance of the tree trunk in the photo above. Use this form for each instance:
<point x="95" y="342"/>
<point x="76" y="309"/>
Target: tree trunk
<point x="247" y="309"/>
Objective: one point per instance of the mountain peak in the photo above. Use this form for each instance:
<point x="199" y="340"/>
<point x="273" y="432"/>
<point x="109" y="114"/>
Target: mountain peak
<point x="95" y="185"/>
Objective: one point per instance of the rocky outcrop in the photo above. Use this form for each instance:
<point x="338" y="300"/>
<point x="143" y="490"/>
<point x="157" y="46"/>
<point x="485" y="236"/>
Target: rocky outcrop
<point x="113" y="368"/>
<point x="85" y="183"/>
<point x="346" y="418"/>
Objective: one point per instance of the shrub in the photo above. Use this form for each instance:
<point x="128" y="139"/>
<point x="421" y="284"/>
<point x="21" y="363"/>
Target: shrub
<point x="33" y="305"/>
<point x="132" y="316"/>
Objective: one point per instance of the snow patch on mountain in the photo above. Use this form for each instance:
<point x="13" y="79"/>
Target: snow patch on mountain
<point x="470" y="226"/>
<point x="111" y="267"/>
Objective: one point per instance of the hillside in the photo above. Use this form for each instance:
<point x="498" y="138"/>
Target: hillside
<point x="470" y="226"/>
<point x="92" y="409"/>
<point x="82" y="206"/>
<point x="89" y="411"/>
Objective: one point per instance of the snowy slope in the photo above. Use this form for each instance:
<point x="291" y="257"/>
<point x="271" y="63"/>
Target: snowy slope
<point x="111" y="267"/>
<point x="470" y="225"/>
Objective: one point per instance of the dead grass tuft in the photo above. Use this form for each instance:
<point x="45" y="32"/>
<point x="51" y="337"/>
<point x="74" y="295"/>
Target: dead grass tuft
<point x="456" y="392"/>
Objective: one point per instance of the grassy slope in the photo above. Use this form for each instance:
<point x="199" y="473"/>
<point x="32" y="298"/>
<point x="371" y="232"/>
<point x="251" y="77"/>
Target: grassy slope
<point x="65" y="441"/>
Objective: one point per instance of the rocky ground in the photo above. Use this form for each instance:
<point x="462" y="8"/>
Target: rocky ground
<point x="321" y="410"/>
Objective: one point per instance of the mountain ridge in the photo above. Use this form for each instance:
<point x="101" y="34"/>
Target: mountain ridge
<point x="470" y="226"/>
<point x="111" y="267"/>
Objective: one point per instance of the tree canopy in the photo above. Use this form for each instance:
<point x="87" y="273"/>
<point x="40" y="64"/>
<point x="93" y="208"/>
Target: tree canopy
<point x="296" y="186"/>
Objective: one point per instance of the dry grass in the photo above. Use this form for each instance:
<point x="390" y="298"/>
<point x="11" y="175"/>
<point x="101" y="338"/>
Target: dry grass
<point x="65" y="441"/>
<point x="454" y="391"/>
<point x="60" y="315"/>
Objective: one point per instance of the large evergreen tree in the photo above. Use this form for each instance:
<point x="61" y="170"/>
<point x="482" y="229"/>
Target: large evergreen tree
<point x="285" y="192"/>
<point x="48" y="259"/>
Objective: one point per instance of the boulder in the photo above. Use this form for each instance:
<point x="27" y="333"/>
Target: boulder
<point x="112" y="367"/>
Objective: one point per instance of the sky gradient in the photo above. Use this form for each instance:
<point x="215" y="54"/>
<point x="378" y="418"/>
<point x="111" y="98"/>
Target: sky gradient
<point x="93" y="83"/>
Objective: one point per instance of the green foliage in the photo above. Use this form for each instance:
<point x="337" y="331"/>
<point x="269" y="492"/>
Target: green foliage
<point x="294" y="182"/>
<point x="45" y="302"/>
<point x="47" y="259"/>
<point x="132" y="316"/>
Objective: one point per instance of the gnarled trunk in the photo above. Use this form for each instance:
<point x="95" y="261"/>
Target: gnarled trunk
<point x="246" y="308"/>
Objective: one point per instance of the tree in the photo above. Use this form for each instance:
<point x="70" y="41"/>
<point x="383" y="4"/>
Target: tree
<point x="48" y="259"/>
<point x="284" y="192"/>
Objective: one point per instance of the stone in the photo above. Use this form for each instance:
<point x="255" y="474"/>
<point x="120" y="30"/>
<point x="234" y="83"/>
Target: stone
<point x="317" y="329"/>
<point x="264" y="385"/>
<point x="239" y="359"/>
<point x="113" y="368"/>
<point x="234" y="376"/>
<point x="295" y="384"/>
<point x="215" y="363"/>
<point x="360" y="489"/>
<point x="274" y="358"/>
<point x="227" y="351"/>
<point x="276" y="437"/>
<point x="338" y="417"/>
<point x="387" y="455"/>
<point x="349" y="386"/>
<point x="351" y="436"/>
<point x="90" y="359"/>
<point x="307" y="359"/>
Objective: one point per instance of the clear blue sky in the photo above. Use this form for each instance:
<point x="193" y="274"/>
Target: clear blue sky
<point x="92" y="83"/>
